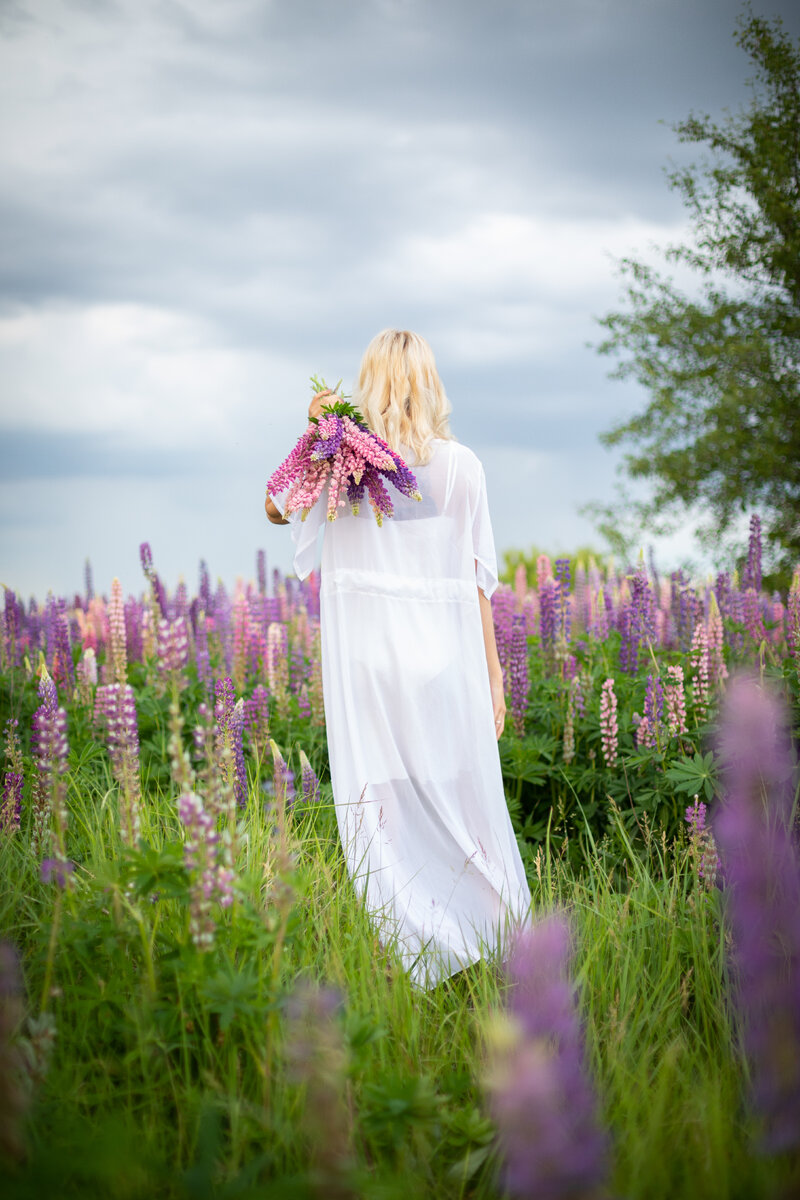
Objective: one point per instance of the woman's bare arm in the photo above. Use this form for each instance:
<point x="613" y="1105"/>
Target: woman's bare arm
<point x="493" y="664"/>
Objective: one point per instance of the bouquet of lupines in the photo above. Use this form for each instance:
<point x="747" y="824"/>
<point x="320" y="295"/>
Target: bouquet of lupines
<point x="338" y="450"/>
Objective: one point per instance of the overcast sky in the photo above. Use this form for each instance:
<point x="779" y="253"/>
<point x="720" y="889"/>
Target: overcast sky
<point x="203" y="202"/>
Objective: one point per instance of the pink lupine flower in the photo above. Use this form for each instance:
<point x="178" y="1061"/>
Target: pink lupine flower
<point x="544" y="570"/>
<point x="116" y="627"/>
<point x="609" y="727"/>
<point x="699" y="656"/>
<point x="716" y="641"/>
<point x="675" y="702"/>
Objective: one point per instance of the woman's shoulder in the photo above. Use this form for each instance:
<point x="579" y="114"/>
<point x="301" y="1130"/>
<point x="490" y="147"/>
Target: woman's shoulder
<point x="466" y="459"/>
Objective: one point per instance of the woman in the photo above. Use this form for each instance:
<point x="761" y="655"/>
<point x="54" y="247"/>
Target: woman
<point x="412" y="682"/>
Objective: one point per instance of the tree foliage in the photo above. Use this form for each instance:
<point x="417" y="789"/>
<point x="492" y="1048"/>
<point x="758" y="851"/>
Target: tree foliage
<point x="721" y="430"/>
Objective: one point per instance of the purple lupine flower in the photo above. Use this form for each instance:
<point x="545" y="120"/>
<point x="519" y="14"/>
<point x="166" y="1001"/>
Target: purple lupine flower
<point x="236" y="727"/>
<point x="282" y="778"/>
<point x="518" y="674"/>
<point x="256" y="719"/>
<point x="753" y="617"/>
<point x="309" y="783"/>
<point x="172" y="649"/>
<point x="210" y="880"/>
<point x="204" y="589"/>
<point x="548" y="616"/>
<point x="563" y="584"/>
<point x="203" y="658"/>
<point x="11" y="802"/>
<point x="146" y="558"/>
<point x="12" y="632"/>
<point x="541" y="1098"/>
<point x="50" y="749"/>
<point x="751" y="576"/>
<point x="629" y="644"/>
<point x="504" y="605"/>
<point x="760" y="860"/>
<point x="56" y="870"/>
<point x="261" y="571"/>
<point x="643" y="606"/>
<point x="115" y="709"/>
<point x="702" y="846"/>
<point x="331" y="432"/>
<point x="88" y="581"/>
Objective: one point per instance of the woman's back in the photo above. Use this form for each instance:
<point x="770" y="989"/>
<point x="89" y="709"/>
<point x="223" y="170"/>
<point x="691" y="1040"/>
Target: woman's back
<point x="429" y="547"/>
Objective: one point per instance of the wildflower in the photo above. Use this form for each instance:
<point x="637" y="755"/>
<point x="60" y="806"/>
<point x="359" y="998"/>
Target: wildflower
<point x="700" y="669"/>
<point x="609" y="728"/>
<point x="760" y="858"/>
<point x="172" y="648"/>
<point x="63" y="670"/>
<point x="210" y="879"/>
<point x="86" y="673"/>
<point x="115" y="710"/>
<point x="518" y="674"/>
<point x="116" y="627"/>
<point x="11" y="803"/>
<point x="548" y="618"/>
<point x="55" y="870"/>
<point x="256" y="719"/>
<point x="675" y="702"/>
<point x="544" y="570"/>
<point x="309" y="784"/>
<point x="541" y="1098"/>
<point x="282" y="778"/>
<point x="563" y="583"/>
<point x="50" y="749"/>
<point x="504" y="606"/>
<point x="702" y="845"/>
<point x="654" y="710"/>
<point x="751" y="576"/>
<point x="716" y="639"/>
<point x="317" y="1059"/>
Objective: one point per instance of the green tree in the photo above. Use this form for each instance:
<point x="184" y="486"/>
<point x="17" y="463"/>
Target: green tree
<point x="721" y="430"/>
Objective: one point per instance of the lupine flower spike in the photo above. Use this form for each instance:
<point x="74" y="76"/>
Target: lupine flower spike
<point x="762" y="871"/>
<point x="541" y="1098"/>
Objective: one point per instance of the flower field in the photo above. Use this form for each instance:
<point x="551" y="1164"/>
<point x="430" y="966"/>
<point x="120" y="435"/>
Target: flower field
<point x="193" y="1003"/>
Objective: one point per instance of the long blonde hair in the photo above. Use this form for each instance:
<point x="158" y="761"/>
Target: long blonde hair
<point x="400" y="395"/>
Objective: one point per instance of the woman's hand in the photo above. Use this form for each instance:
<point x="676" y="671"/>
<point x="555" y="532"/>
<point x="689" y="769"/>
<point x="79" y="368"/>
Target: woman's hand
<point x="315" y="407"/>
<point x="498" y="705"/>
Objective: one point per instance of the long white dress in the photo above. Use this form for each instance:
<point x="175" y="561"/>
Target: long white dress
<point x="415" y="768"/>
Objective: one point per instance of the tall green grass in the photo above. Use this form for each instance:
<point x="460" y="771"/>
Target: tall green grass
<point x="174" y="1073"/>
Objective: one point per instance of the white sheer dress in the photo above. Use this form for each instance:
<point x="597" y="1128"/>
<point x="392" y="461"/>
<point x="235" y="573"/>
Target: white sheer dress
<point x="414" y="762"/>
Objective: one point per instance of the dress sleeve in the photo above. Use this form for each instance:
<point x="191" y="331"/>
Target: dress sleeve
<point x="483" y="540"/>
<point x="304" y="533"/>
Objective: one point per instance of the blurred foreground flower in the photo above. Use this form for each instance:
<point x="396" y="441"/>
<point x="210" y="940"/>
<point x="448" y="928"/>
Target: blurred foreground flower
<point x="762" y="872"/>
<point x="317" y="1058"/>
<point x="541" y="1099"/>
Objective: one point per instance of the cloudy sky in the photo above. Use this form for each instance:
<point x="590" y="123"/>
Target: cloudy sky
<point x="205" y="202"/>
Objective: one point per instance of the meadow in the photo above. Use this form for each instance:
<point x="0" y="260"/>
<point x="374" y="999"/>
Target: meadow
<point x="194" y="1004"/>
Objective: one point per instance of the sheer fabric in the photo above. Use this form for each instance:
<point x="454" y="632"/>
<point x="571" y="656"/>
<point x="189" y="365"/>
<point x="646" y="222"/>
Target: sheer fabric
<point x="416" y="773"/>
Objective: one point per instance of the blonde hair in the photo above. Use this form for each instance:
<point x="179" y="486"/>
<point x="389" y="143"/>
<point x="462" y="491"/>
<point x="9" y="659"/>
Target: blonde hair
<point x="400" y="395"/>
